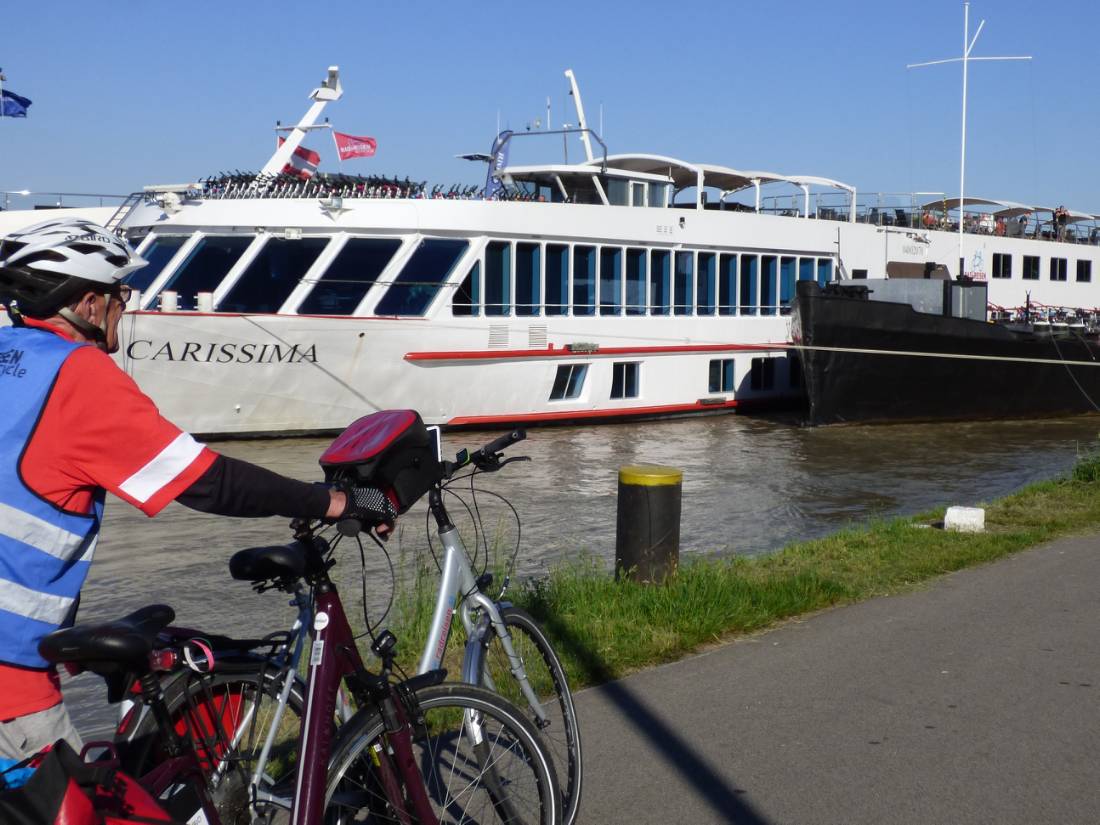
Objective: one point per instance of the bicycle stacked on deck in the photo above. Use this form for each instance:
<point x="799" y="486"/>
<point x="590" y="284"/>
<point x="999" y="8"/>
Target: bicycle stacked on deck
<point x="350" y="745"/>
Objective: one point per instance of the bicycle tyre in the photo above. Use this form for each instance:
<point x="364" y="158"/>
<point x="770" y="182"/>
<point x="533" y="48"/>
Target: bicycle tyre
<point x="210" y="707"/>
<point x="463" y="781"/>
<point x="547" y="677"/>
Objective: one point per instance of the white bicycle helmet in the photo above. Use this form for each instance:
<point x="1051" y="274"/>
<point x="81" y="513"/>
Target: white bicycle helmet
<point x="44" y="267"/>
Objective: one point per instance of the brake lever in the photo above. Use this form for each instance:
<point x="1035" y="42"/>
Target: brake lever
<point x="512" y="458"/>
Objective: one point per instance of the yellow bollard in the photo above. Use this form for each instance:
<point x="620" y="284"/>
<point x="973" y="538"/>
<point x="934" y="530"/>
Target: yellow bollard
<point x="647" y="531"/>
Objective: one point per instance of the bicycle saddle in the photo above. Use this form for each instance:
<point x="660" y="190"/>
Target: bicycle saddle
<point x="104" y="648"/>
<point x="256" y="564"/>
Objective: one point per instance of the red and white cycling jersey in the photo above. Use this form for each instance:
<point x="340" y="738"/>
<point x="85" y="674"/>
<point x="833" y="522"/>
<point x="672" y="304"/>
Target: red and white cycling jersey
<point x="97" y="430"/>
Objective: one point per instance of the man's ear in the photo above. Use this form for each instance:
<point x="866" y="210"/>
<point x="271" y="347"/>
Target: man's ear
<point x="85" y="307"/>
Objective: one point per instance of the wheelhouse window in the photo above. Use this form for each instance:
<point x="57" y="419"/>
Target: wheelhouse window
<point x="786" y="284"/>
<point x="762" y="376"/>
<point x="748" y="284"/>
<point x="682" y="287"/>
<point x="1058" y="269"/>
<point x="467" y="300"/>
<point x="659" y="266"/>
<point x="568" y="382"/>
<point x="727" y="285"/>
<point x="356" y="267"/>
<point x="206" y="266"/>
<point x="635" y="282"/>
<point x="498" y="278"/>
<point x="704" y="284"/>
<point x="1002" y="265"/>
<point x="658" y="194"/>
<point x="618" y="191"/>
<point x="805" y="269"/>
<point x="159" y="252"/>
<point x="1084" y="272"/>
<point x="624" y="379"/>
<point x="767" y="284"/>
<point x="528" y="276"/>
<point x="1031" y="267"/>
<point x="557" y="279"/>
<point x="611" y="284"/>
<point x="637" y="193"/>
<point x="824" y="270"/>
<point x="420" y="280"/>
<point x="721" y="375"/>
<point x="584" y="280"/>
<point x="273" y="274"/>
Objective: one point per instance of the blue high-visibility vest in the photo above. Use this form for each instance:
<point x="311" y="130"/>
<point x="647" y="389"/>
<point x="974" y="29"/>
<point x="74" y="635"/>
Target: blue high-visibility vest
<point x="45" y="551"/>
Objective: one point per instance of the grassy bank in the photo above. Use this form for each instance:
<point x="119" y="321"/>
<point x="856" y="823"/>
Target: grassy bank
<point x="604" y="629"/>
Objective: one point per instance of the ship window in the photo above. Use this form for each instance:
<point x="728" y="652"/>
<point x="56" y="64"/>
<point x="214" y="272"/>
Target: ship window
<point x="467" y="300"/>
<point x="658" y="282"/>
<point x="205" y="267"/>
<point x="727" y="285"/>
<point x="748" y="284"/>
<point x="1031" y="267"/>
<point x="637" y="193"/>
<point x="353" y="271"/>
<point x="658" y="194"/>
<point x="1057" y="269"/>
<point x="584" y="280"/>
<point x="1084" y="271"/>
<point x="611" y="280"/>
<point x="618" y="191"/>
<point x="498" y="278"/>
<point x="824" y="270"/>
<point x="704" y="287"/>
<point x="557" y="279"/>
<point x="624" y="379"/>
<point x="528" y="277"/>
<point x="635" y="282"/>
<point x="767" y="285"/>
<point x="859" y="274"/>
<point x="1002" y="265"/>
<point x="805" y="269"/>
<point x="419" y="281"/>
<point x="721" y="375"/>
<point x="568" y="382"/>
<point x="682" y="285"/>
<point x="794" y="372"/>
<point x="786" y="284"/>
<point x="158" y="254"/>
<point x="763" y="374"/>
<point x="272" y="275"/>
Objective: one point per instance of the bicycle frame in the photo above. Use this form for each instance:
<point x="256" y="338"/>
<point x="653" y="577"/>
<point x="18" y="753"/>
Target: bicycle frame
<point x="459" y="587"/>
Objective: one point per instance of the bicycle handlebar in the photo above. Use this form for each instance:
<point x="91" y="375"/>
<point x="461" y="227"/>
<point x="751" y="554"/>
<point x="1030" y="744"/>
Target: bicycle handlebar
<point x="491" y="450"/>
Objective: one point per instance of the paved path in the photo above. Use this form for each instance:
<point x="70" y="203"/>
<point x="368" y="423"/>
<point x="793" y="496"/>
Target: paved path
<point x="975" y="700"/>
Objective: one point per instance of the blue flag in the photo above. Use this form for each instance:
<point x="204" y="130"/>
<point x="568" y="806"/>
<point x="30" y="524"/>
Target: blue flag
<point x="499" y="159"/>
<point x="13" y="105"/>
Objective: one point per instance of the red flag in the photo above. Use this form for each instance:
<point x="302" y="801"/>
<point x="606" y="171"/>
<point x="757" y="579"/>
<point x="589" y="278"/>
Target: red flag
<point x="350" y="146"/>
<point x="303" y="163"/>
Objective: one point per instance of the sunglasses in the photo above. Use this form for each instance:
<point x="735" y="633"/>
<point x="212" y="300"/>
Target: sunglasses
<point x="122" y="292"/>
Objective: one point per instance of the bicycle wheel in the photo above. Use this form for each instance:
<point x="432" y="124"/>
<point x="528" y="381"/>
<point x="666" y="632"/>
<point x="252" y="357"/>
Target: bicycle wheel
<point x="558" y="722"/>
<point x="480" y="760"/>
<point x="227" y="716"/>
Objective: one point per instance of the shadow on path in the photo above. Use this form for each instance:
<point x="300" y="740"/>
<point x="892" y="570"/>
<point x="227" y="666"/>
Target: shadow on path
<point x="679" y="753"/>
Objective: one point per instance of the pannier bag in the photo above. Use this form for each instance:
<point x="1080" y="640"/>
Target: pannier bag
<point x="65" y="790"/>
<point x="392" y="450"/>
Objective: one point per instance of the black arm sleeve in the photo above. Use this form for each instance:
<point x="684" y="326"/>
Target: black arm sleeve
<point x="231" y="487"/>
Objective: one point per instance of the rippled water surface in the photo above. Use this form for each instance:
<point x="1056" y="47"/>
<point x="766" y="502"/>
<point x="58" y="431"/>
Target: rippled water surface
<point x="751" y="485"/>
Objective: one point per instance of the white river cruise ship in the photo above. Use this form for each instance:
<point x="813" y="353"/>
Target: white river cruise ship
<point x="620" y="286"/>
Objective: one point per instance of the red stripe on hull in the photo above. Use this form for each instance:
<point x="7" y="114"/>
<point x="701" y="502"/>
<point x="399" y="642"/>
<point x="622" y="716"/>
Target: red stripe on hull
<point x="579" y="415"/>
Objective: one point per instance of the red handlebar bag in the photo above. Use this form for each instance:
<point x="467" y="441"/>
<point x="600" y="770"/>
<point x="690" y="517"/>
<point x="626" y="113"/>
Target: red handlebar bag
<point x="65" y="790"/>
<point x="392" y="450"/>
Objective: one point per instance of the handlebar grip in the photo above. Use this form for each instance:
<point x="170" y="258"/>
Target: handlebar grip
<point x="505" y="441"/>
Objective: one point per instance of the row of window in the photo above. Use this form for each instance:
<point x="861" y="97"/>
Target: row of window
<point x="530" y="279"/>
<point x="1058" y="268"/>
<point x="626" y="377"/>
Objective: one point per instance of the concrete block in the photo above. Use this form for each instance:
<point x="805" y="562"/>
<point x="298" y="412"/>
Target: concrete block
<point x="964" y="519"/>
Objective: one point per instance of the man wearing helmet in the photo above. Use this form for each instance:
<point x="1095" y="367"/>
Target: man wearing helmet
<point x="74" y="426"/>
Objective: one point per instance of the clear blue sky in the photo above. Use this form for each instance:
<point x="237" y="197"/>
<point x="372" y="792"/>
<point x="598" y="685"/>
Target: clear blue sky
<point x="131" y="93"/>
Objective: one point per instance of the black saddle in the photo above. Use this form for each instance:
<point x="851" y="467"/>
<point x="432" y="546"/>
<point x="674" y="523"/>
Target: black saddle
<point x="105" y="648"/>
<point x="279" y="562"/>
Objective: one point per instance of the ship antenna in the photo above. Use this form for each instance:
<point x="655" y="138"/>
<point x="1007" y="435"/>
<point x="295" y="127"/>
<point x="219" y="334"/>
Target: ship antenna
<point x="328" y="91"/>
<point x="968" y="46"/>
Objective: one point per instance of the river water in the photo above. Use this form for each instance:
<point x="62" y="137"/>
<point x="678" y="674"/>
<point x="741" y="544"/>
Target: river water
<point x="750" y="486"/>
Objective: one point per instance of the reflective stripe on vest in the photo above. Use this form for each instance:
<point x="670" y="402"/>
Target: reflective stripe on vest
<point x="44" y="552"/>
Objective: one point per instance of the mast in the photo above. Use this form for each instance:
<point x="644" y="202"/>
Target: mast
<point x="328" y="91"/>
<point x="581" y="122"/>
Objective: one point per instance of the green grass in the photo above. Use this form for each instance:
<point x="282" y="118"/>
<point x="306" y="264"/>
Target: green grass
<point x="604" y="628"/>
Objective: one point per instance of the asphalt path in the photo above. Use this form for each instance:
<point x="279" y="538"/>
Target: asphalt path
<point x="973" y="700"/>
